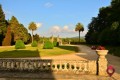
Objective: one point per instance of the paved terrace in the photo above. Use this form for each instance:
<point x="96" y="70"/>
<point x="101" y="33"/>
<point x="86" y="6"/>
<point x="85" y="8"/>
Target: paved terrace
<point x="85" y="54"/>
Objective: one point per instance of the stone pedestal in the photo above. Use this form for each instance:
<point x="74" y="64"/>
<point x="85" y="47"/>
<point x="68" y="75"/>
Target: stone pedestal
<point x="102" y="62"/>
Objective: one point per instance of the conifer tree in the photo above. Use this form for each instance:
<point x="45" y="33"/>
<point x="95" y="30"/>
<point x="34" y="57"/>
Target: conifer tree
<point x="3" y="25"/>
<point x="7" y="39"/>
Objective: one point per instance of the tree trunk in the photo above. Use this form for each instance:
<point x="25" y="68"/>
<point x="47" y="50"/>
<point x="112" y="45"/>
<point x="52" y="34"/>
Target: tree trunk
<point x="79" y="36"/>
<point x="32" y="36"/>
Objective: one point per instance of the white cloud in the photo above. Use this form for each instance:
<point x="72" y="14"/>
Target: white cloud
<point x="65" y="31"/>
<point x="65" y="28"/>
<point x="39" y="25"/>
<point x="55" y="29"/>
<point x="48" y="5"/>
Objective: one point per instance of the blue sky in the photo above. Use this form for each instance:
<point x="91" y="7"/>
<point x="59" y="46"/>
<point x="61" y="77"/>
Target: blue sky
<point x="54" y="17"/>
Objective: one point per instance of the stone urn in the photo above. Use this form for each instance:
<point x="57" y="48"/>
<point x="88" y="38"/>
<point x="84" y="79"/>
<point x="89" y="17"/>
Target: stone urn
<point x="102" y="53"/>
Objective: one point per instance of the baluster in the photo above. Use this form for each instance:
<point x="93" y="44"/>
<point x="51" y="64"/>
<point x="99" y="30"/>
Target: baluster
<point x="41" y="66"/>
<point x="7" y="65"/>
<point x="60" y="66"/>
<point x="31" y="65"/>
<point x="65" y="66"/>
<point x="55" y="67"/>
<point x="3" y="64"/>
<point x="80" y="69"/>
<point x="47" y="68"/>
<point x="75" y="66"/>
<point x="17" y="65"/>
<point x="21" y="66"/>
<point x="12" y="65"/>
<point x="26" y="66"/>
<point x="85" y="67"/>
<point x="70" y="66"/>
<point x="34" y="66"/>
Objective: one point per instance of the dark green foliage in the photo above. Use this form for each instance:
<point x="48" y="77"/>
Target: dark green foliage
<point x="105" y="28"/>
<point x="32" y="26"/>
<point x="114" y="50"/>
<point x="34" y="44"/>
<point x="56" y="44"/>
<point x="19" y="32"/>
<point x="48" y="45"/>
<point x="3" y="25"/>
<point x="19" y="44"/>
<point x="36" y="37"/>
<point x="79" y="27"/>
<point x="7" y="39"/>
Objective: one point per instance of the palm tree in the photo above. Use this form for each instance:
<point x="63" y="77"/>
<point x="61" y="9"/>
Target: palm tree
<point x="32" y="26"/>
<point x="79" y="27"/>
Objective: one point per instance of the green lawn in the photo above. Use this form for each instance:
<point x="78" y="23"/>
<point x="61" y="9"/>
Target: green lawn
<point x="11" y="52"/>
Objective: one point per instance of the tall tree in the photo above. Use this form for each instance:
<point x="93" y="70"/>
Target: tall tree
<point x="7" y="39"/>
<point x="32" y="26"/>
<point x="105" y="28"/>
<point x="3" y="25"/>
<point x="19" y="32"/>
<point x="14" y="28"/>
<point x="36" y="37"/>
<point x="79" y="27"/>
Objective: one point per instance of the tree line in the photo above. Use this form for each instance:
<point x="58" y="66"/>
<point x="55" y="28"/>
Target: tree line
<point x="12" y="30"/>
<point x="105" y="28"/>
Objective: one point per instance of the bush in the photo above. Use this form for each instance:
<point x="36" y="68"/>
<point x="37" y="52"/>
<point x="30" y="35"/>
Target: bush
<point x="48" y="45"/>
<point x="34" y="44"/>
<point x="19" y="44"/>
<point x="56" y="44"/>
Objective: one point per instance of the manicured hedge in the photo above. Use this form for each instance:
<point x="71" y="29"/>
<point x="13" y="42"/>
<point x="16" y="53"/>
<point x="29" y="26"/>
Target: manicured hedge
<point x="19" y="44"/>
<point x="48" y="45"/>
<point x="34" y="44"/>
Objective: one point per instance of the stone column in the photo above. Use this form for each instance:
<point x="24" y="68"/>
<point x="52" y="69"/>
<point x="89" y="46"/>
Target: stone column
<point x="102" y="62"/>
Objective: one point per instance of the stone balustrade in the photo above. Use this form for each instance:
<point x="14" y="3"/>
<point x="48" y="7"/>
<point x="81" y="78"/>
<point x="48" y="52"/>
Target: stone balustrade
<point x="73" y="66"/>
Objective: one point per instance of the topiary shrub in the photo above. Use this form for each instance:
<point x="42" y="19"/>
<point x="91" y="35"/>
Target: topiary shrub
<point x="19" y="44"/>
<point x="48" y="45"/>
<point x="56" y="44"/>
<point x="34" y="44"/>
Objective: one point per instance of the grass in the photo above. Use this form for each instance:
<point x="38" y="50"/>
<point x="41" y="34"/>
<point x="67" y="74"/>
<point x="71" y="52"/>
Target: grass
<point x="11" y="52"/>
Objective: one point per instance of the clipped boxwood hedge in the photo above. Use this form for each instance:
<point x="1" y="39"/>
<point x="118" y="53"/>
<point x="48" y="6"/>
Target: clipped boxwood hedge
<point x="56" y="44"/>
<point x="34" y="44"/>
<point x="19" y="44"/>
<point x="48" y="45"/>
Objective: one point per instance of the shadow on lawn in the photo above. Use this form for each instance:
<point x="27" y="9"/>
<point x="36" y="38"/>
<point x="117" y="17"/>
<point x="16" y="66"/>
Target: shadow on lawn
<point x="30" y="74"/>
<point x="70" y="48"/>
<point x="19" y="54"/>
